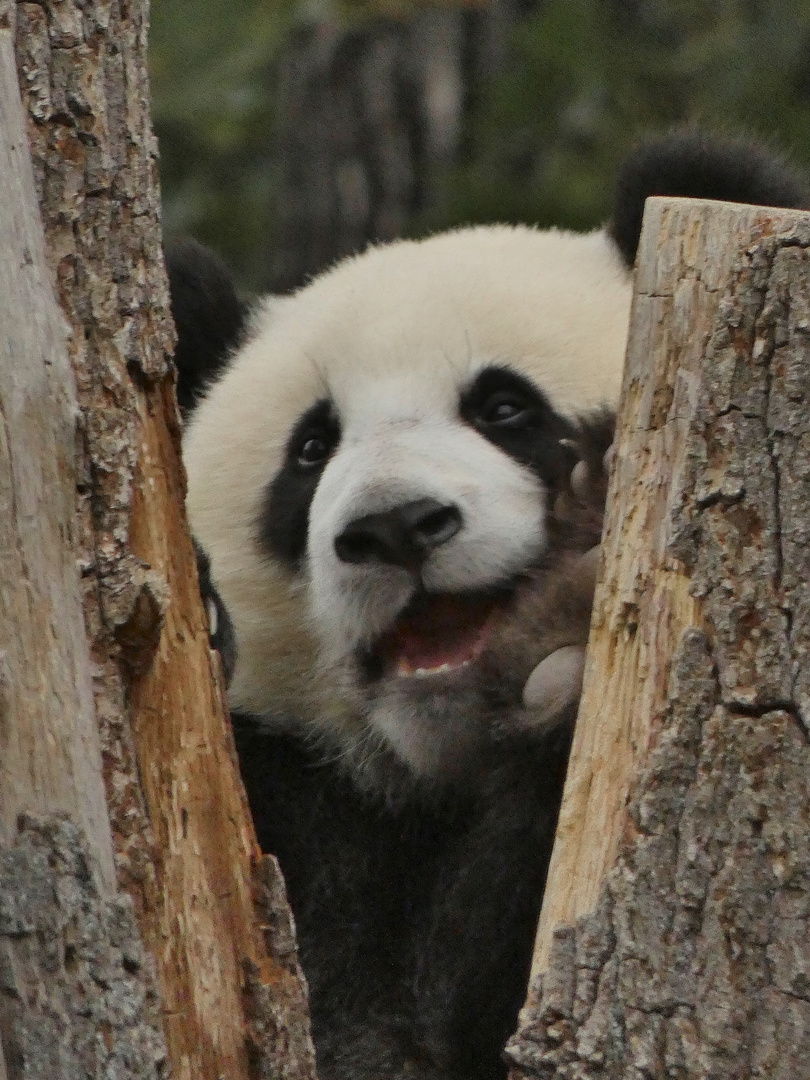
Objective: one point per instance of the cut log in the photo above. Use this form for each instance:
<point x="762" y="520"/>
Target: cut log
<point x="211" y="912"/>
<point x="673" y="940"/>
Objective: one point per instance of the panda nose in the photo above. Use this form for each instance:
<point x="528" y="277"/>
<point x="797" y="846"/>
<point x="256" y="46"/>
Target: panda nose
<point x="403" y="536"/>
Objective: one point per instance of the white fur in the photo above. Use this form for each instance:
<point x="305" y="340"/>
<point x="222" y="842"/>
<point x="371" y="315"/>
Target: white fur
<point x="392" y="336"/>
<point x="430" y="454"/>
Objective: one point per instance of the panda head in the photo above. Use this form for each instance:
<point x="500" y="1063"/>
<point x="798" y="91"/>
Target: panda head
<point x="371" y="474"/>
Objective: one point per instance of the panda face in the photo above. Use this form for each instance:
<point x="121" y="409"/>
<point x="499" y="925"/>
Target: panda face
<point x="391" y="494"/>
<point x="371" y="478"/>
<point x="414" y="517"/>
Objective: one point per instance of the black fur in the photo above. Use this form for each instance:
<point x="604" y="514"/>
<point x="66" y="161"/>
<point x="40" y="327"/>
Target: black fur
<point x="533" y="432"/>
<point x="694" y="164"/>
<point x="284" y="518"/>
<point x="415" y="924"/>
<point x="220" y="627"/>
<point x="209" y="317"/>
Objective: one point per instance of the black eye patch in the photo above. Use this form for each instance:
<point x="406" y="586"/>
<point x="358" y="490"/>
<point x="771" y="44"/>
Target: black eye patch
<point x="514" y="415"/>
<point x="284" y="518"/>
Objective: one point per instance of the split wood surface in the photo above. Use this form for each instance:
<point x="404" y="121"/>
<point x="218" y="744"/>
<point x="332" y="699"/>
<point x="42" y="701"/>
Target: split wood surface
<point x="673" y="941"/>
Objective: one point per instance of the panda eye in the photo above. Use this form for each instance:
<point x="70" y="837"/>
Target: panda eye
<point x="313" y="439"/>
<point x="314" y="450"/>
<point x="504" y="409"/>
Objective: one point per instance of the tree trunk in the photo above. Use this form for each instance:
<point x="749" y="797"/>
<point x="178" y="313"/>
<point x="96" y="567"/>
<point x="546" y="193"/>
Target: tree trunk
<point x="71" y="958"/>
<point x="674" y="939"/>
<point x="179" y="839"/>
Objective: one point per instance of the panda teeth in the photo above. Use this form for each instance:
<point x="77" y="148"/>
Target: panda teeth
<point x="426" y="672"/>
<point x="404" y="670"/>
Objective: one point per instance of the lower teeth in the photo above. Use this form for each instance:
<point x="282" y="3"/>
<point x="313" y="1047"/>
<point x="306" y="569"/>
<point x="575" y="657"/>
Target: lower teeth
<point x="403" y="671"/>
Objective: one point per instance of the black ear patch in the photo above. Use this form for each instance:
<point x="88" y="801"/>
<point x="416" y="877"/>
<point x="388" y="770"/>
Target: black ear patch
<point x="698" y="165"/>
<point x="209" y="316"/>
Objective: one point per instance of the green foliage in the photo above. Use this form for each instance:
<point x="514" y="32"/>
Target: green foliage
<point x="543" y="139"/>
<point x="210" y="63"/>
<point x="589" y="77"/>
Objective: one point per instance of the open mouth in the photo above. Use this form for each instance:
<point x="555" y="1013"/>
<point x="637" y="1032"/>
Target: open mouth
<point x="437" y="634"/>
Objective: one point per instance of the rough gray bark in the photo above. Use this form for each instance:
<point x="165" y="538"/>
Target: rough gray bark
<point x="183" y="845"/>
<point x="49" y="747"/>
<point x="71" y="960"/>
<point x="674" y="938"/>
<point x="77" y="993"/>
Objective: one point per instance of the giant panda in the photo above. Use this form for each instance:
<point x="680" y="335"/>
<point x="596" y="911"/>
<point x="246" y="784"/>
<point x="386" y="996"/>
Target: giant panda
<point x="397" y="476"/>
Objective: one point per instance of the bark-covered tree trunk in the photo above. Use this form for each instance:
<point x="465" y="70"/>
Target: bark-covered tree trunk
<point x="71" y="959"/>
<point x="144" y="702"/>
<point x="674" y="936"/>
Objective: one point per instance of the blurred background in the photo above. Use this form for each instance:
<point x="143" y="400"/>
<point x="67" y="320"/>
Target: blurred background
<point x="294" y="131"/>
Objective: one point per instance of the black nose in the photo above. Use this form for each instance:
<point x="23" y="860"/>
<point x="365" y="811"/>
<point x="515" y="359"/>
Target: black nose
<point x="404" y="536"/>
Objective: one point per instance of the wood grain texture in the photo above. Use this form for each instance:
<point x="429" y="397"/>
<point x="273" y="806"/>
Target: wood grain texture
<point x="184" y="845"/>
<point x="674" y="935"/>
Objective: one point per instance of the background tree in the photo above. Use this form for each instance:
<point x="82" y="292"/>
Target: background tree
<point x="293" y="133"/>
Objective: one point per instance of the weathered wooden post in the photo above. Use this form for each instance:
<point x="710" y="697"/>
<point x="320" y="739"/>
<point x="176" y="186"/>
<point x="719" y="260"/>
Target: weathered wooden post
<point x="673" y="941"/>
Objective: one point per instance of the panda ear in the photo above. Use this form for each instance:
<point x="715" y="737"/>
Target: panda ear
<point x="209" y="317"/>
<point x="696" y="164"/>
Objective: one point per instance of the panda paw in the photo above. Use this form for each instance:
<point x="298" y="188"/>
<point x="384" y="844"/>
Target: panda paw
<point x="220" y="628"/>
<point x="554" y="686"/>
